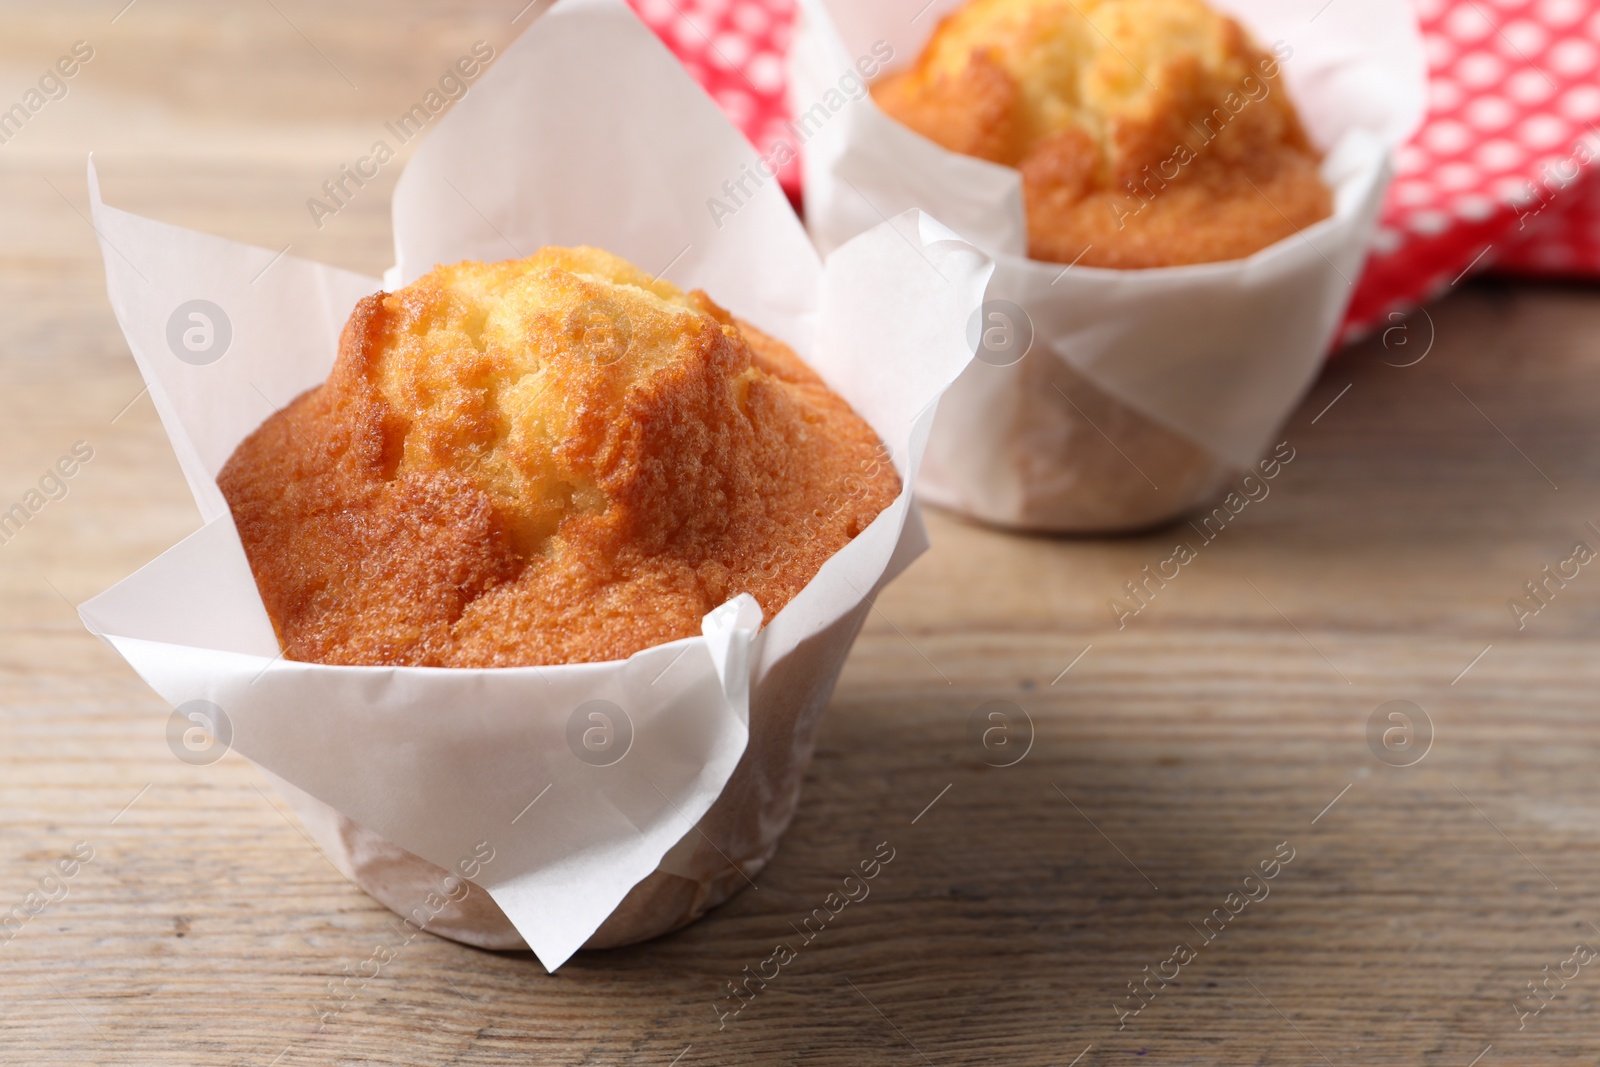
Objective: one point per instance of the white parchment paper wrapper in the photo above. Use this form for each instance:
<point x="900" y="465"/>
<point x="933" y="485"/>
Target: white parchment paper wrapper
<point x="585" y="131"/>
<point x="1143" y="389"/>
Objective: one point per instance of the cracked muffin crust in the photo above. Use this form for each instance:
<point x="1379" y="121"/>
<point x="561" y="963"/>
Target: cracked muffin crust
<point x="555" y="459"/>
<point x="1149" y="133"/>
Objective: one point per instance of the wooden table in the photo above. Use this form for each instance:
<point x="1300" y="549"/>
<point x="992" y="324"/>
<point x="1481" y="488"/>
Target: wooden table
<point x="1227" y="722"/>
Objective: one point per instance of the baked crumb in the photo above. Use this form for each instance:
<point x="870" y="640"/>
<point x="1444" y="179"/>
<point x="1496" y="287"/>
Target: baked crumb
<point x="1149" y="133"/>
<point x="555" y="459"/>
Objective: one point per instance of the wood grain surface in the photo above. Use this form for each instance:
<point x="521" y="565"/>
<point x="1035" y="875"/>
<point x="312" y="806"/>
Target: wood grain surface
<point x="1224" y="724"/>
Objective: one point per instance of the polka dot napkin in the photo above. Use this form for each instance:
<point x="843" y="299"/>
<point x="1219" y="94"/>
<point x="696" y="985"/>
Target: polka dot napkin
<point x="1503" y="172"/>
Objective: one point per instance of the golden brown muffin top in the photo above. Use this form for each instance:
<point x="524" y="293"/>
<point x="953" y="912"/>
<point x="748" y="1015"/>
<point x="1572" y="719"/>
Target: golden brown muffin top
<point x="547" y="460"/>
<point x="1151" y="132"/>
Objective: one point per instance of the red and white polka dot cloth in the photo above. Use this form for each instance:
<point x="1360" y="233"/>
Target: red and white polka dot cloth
<point x="736" y="50"/>
<point x="1505" y="171"/>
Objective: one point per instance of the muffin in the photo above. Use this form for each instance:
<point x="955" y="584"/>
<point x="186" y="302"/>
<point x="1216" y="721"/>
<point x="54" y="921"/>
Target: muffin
<point x="557" y="459"/>
<point x="1149" y="133"/>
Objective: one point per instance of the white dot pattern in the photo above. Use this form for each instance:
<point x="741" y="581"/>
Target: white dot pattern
<point x="1508" y="159"/>
<point x="735" y="50"/>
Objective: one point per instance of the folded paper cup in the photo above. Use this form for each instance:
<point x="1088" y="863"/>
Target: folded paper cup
<point x="594" y="803"/>
<point x="1111" y="399"/>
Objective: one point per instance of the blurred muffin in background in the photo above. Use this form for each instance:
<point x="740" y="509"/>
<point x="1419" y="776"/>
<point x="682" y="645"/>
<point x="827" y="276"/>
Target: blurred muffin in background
<point x="1149" y="133"/>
